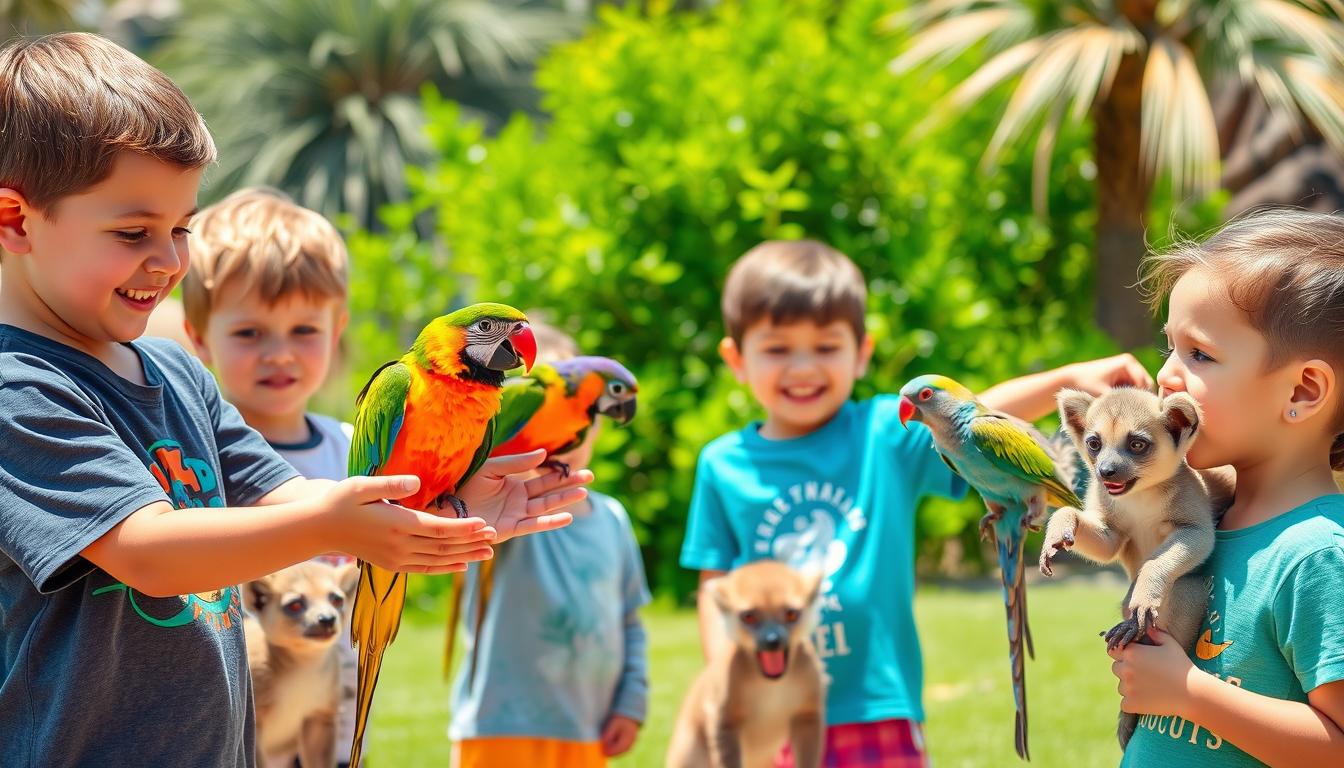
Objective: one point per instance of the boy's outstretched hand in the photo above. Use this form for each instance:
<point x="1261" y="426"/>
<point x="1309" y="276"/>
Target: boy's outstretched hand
<point x="1097" y="376"/>
<point x="514" y="506"/>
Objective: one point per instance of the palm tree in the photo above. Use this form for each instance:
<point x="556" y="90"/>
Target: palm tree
<point x="321" y="98"/>
<point x="1142" y="71"/>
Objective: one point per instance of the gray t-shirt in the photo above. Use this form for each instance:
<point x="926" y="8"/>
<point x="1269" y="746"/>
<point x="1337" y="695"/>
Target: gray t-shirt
<point x="92" y="672"/>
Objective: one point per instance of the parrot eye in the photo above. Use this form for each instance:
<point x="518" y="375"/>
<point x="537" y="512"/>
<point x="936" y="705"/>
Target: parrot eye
<point x="616" y="388"/>
<point x="925" y="393"/>
<point x="750" y="618"/>
<point x="1093" y="443"/>
<point x="337" y="599"/>
<point x="485" y="326"/>
<point x="294" y="607"/>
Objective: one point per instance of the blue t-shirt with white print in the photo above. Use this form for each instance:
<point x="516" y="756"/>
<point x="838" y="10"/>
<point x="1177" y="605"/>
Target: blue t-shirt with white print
<point x="841" y="499"/>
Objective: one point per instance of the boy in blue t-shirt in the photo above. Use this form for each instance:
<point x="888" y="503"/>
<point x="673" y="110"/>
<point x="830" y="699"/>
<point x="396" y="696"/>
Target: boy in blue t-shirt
<point x="831" y="483"/>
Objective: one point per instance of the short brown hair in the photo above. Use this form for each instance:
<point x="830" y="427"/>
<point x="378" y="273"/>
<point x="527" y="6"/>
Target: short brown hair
<point x="790" y="280"/>
<point x="264" y="242"/>
<point x="70" y="103"/>
<point x="1284" y="268"/>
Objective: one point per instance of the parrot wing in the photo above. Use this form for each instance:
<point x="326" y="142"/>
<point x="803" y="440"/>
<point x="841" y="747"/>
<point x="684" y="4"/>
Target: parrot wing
<point x="379" y="597"/>
<point x="1013" y="450"/>
<point x="519" y="402"/>
<point x="381" y="409"/>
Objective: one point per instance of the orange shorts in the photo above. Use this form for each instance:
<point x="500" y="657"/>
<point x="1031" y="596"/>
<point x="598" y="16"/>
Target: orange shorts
<point x="501" y="751"/>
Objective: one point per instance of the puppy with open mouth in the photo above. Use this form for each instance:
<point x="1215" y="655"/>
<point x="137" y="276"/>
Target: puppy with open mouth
<point x="768" y="687"/>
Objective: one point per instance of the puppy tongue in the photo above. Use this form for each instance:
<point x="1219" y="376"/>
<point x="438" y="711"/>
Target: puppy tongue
<point x="772" y="662"/>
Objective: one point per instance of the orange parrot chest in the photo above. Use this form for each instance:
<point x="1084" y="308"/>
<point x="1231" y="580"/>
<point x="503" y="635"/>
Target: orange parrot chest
<point x="559" y="420"/>
<point x="445" y="422"/>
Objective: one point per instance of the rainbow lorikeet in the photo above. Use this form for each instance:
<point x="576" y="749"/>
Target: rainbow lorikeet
<point x="428" y="414"/>
<point x="1018" y="474"/>
<point x="552" y="407"/>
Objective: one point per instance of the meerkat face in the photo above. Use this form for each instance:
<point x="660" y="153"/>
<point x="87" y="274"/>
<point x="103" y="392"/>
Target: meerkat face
<point x="769" y="609"/>
<point x="1131" y="438"/>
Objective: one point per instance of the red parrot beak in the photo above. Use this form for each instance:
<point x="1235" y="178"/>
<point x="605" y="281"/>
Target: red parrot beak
<point x="907" y="411"/>
<point x="525" y="344"/>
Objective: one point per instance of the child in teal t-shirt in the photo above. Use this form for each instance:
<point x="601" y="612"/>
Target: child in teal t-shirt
<point x="832" y="483"/>
<point x="1256" y="330"/>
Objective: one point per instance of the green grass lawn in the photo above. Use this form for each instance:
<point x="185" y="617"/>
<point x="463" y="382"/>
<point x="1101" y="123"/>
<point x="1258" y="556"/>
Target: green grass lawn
<point x="1071" y="694"/>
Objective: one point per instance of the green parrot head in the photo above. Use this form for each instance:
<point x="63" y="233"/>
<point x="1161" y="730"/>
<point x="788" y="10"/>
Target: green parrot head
<point x="478" y="342"/>
<point x="935" y="400"/>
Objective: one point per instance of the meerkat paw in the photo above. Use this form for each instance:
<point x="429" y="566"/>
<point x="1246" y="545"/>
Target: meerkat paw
<point x="1052" y="547"/>
<point x="1132" y="629"/>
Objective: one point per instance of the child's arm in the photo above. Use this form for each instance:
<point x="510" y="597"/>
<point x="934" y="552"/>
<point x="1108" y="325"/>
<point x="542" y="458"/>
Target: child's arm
<point x="164" y="551"/>
<point x="1033" y="396"/>
<point x="632" y="694"/>
<point x="1160" y="679"/>
<point x="710" y="619"/>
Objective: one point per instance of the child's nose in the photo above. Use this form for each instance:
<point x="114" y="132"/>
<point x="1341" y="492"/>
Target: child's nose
<point x="167" y="260"/>
<point x="277" y="351"/>
<point x="1171" y="377"/>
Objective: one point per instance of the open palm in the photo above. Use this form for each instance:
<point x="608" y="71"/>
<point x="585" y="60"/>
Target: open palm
<point x="515" y="505"/>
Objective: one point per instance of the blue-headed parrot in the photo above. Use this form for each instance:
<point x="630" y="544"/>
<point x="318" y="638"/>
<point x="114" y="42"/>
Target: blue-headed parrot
<point x="1013" y="468"/>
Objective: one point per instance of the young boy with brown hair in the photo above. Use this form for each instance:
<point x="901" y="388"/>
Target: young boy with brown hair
<point x="132" y="498"/>
<point x="829" y="483"/>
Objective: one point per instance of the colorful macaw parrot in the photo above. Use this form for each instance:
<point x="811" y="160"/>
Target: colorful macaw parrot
<point x="1009" y="463"/>
<point x="552" y="407"/>
<point x="428" y="414"/>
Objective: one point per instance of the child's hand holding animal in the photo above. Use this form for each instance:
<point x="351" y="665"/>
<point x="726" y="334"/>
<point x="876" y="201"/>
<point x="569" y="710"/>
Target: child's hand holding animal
<point x="618" y="735"/>
<point x="513" y="506"/>
<point x="1154" y="679"/>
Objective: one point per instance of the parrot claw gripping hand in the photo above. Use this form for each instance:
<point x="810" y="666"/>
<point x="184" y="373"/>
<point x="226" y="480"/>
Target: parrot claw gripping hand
<point x="552" y="408"/>
<point x="1014" y="469"/>
<point x="449" y="500"/>
<point x="429" y="414"/>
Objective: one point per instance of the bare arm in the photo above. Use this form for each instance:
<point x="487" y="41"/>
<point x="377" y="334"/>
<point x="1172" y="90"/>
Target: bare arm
<point x="711" y="622"/>
<point x="1275" y="731"/>
<point x="164" y="551"/>
<point x="1033" y="396"/>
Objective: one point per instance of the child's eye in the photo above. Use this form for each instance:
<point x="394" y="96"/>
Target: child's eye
<point x="305" y="330"/>
<point x="776" y="350"/>
<point x="246" y="333"/>
<point x="827" y="350"/>
<point x="130" y="235"/>
<point x="1198" y="356"/>
<point x="180" y="232"/>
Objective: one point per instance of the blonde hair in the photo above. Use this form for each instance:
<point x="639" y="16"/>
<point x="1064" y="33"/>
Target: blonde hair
<point x="259" y="239"/>
<point x="1284" y="268"/>
<point x="71" y="102"/>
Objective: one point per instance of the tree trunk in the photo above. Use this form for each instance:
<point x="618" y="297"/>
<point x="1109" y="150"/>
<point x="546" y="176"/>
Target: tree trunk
<point x="1123" y="191"/>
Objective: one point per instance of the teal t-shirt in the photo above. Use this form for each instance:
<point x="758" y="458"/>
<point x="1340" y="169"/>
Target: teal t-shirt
<point x="1275" y="626"/>
<point x="842" y="499"/>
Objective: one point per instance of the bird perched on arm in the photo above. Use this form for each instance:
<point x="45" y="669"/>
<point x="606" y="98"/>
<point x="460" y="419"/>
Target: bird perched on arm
<point x="1013" y="468"/>
<point x="428" y="414"/>
<point x="552" y="408"/>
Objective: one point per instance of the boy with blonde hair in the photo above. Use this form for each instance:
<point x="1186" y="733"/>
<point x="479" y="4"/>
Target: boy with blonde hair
<point x="265" y="304"/>
<point x="132" y="498"/>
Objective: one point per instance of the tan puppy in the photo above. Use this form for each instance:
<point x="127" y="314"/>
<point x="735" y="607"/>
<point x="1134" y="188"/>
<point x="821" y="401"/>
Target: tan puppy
<point x="294" y="619"/>
<point x="1145" y="506"/>
<point x="768" y="686"/>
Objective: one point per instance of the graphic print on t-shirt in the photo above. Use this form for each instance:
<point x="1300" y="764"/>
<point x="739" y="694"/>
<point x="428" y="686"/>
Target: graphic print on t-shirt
<point x="803" y="528"/>
<point x="189" y="482"/>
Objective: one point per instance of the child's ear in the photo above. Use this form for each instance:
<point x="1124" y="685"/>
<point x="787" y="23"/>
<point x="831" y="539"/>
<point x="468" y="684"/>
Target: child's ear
<point x="338" y="327"/>
<point x="1313" y="391"/>
<point x="1180" y="412"/>
<point x="1073" y="405"/>
<point x="13" y="207"/>
<point x="865" y="355"/>
<point x="732" y="356"/>
<point x="197" y="341"/>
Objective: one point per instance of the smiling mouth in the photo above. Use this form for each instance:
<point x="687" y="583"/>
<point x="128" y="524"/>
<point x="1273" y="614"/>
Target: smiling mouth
<point x="803" y="393"/>
<point x="1119" y="489"/>
<point x="139" y="299"/>
<point x="278" y="382"/>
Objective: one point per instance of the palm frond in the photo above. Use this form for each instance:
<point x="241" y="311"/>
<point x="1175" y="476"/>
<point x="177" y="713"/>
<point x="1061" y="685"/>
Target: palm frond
<point x="1178" y="132"/>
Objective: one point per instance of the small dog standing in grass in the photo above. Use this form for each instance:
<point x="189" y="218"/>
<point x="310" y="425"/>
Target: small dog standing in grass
<point x="294" y="619"/>
<point x="768" y="687"/>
